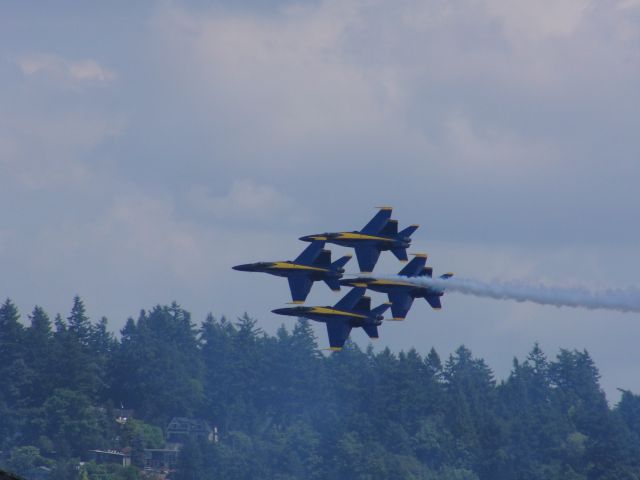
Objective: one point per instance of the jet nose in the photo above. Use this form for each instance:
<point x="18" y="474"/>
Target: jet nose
<point x="285" y="311"/>
<point x="246" y="267"/>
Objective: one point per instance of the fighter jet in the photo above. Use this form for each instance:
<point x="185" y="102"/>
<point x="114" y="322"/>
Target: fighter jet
<point x="381" y="233"/>
<point x="353" y="310"/>
<point x="402" y="292"/>
<point x="312" y="265"/>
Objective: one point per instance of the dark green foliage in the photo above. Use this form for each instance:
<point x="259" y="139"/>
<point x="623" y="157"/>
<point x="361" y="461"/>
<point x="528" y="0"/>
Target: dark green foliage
<point x="284" y="410"/>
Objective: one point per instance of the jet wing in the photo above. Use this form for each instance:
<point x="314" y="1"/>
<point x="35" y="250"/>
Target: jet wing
<point x="367" y="258"/>
<point x="400" y="304"/>
<point x="372" y="330"/>
<point x="414" y="267"/>
<point x="350" y="299"/>
<point x="378" y="222"/>
<point x="434" y="301"/>
<point x="338" y="331"/>
<point x="299" y="286"/>
<point x="309" y="254"/>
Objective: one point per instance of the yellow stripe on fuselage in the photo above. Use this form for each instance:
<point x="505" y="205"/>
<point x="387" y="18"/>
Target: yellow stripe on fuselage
<point x="295" y="266"/>
<point x="392" y="282"/>
<point x="362" y="236"/>
<point x="333" y="311"/>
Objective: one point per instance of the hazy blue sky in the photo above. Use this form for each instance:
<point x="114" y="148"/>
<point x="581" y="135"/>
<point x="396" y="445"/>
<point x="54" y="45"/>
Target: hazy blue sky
<point x="146" y="147"/>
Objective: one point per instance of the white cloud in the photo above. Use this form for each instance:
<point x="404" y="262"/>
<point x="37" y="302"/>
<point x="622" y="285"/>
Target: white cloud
<point x="246" y="199"/>
<point x="66" y="72"/>
<point x="42" y="149"/>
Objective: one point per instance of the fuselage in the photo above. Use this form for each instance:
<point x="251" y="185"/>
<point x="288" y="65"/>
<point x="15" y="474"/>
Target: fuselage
<point x="384" y="285"/>
<point x="288" y="268"/>
<point x="354" y="239"/>
<point x="328" y="314"/>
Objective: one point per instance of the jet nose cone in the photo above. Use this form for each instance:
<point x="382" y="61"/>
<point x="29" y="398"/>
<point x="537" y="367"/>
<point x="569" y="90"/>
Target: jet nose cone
<point x="285" y="311"/>
<point x="246" y="267"/>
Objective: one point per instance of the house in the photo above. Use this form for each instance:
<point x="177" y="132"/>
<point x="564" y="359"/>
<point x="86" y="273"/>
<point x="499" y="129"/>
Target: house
<point x="182" y="428"/>
<point x="160" y="458"/>
<point x="112" y="456"/>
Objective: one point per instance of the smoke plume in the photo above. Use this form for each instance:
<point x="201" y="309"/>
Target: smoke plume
<point x="619" y="299"/>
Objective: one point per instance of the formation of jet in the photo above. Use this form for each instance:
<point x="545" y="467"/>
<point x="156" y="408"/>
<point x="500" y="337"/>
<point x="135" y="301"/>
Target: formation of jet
<point x="354" y="309"/>
<point x="381" y="233"/>
<point x="312" y="265"/>
<point x="402" y="292"/>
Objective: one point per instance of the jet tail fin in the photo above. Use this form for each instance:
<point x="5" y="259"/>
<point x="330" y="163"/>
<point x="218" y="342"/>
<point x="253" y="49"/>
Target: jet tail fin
<point x="407" y="232"/>
<point x="434" y="301"/>
<point x="400" y="253"/>
<point x="415" y="266"/>
<point x="309" y="254"/>
<point x="341" y="262"/>
<point x="379" y="310"/>
<point x="372" y="331"/>
<point x="333" y="284"/>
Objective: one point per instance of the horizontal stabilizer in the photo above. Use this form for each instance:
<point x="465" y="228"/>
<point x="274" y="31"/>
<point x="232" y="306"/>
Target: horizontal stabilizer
<point x="400" y="253"/>
<point x="367" y="258"/>
<point x="414" y="267"/>
<point x="299" y="286"/>
<point x="338" y="332"/>
<point x="333" y="284"/>
<point x="446" y="275"/>
<point x="309" y="254"/>
<point x="434" y="301"/>
<point x="407" y="232"/>
<point x="400" y="304"/>
<point x="341" y="262"/>
<point x="378" y="222"/>
<point x="350" y="299"/>
<point x="372" y="330"/>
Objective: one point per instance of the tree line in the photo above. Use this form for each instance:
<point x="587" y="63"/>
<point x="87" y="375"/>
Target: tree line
<point x="285" y="410"/>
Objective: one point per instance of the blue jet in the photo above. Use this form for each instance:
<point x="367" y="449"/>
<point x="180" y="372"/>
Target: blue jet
<point x="381" y="233"/>
<point x="401" y="292"/>
<point x="312" y="265"/>
<point x="353" y="310"/>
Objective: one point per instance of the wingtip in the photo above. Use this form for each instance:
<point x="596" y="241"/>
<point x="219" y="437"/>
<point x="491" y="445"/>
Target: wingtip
<point x="385" y="207"/>
<point x="296" y="302"/>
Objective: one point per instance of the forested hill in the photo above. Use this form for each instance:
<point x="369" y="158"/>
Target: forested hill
<point x="285" y="410"/>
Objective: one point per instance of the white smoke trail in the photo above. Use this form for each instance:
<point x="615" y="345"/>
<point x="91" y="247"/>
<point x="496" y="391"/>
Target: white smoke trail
<point x="619" y="299"/>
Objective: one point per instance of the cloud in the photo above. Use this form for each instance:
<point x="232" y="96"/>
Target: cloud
<point x="65" y="72"/>
<point x="246" y="200"/>
<point x="40" y="149"/>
